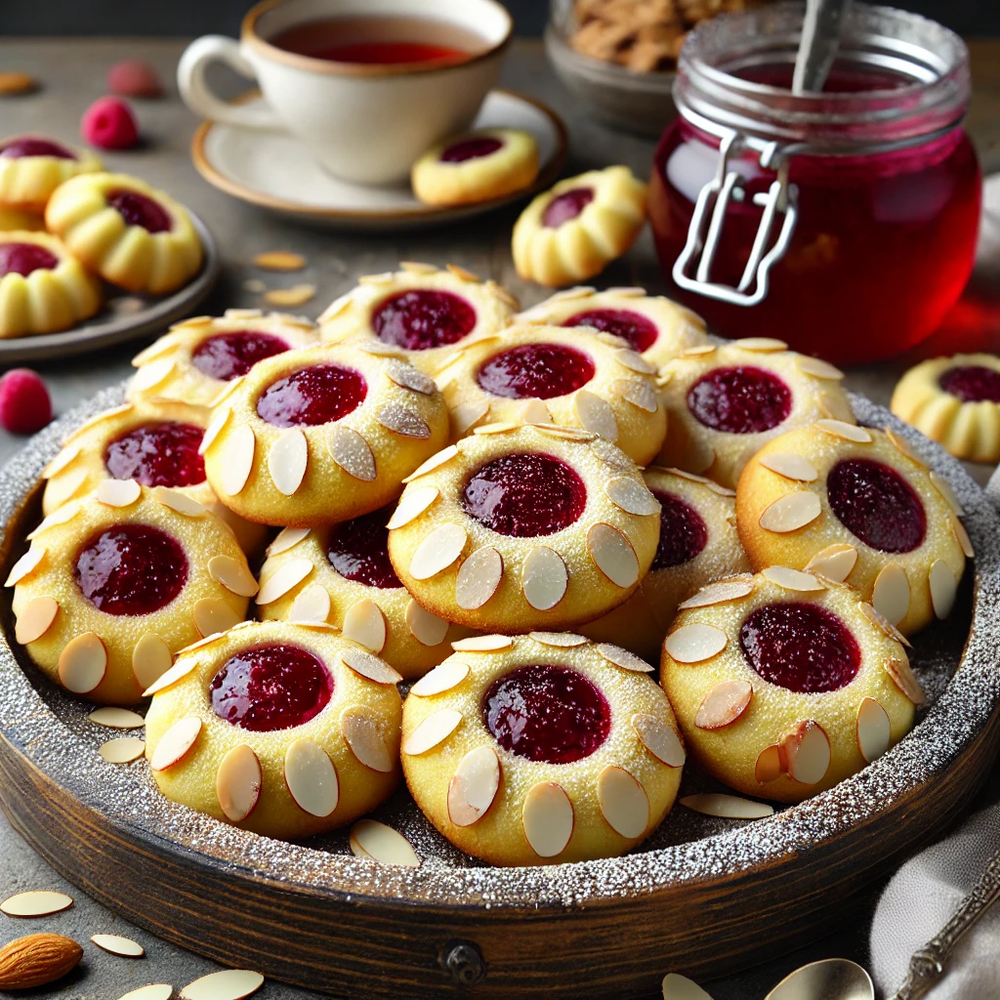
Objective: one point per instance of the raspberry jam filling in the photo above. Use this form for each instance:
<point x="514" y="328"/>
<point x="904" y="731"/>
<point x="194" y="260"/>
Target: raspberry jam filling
<point x="876" y="504"/>
<point x="638" y="330"/>
<point x="539" y="371"/>
<point x="271" y="687"/>
<point x="547" y="713"/>
<point x="228" y="355"/>
<point x="359" y="550"/>
<point x="566" y="206"/>
<point x="29" y="146"/>
<point x="310" y="396"/>
<point x="423" y="318"/>
<point x="800" y="647"/>
<point x="471" y="149"/>
<point x="683" y="533"/>
<point x="133" y="569"/>
<point x="742" y="400"/>
<point x="23" y="258"/>
<point x="525" y="495"/>
<point x="972" y="383"/>
<point x="139" y="210"/>
<point x="164" y="454"/>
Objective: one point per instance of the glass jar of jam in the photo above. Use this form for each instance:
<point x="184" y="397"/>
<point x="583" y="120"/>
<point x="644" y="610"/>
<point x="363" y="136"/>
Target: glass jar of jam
<point x="843" y="222"/>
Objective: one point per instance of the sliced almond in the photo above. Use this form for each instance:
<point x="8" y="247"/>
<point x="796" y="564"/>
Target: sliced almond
<point x="286" y="576"/>
<point x="426" y="628"/>
<point x="565" y="433"/>
<point x="364" y="623"/>
<point x="311" y="778"/>
<point x="761" y="345"/>
<point x="842" y="429"/>
<point x="695" y="643"/>
<point x="623" y="658"/>
<point x="38" y="903"/>
<point x="151" y="659"/>
<point x="699" y="351"/>
<point x="835" y="562"/>
<point x="903" y="447"/>
<point x="724" y="704"/>
<point x="411" y="505"/>
<point x="439" y="550"/>
<point x="177" y="672"/>
<point x="123" y="750"/>
<point x="483" y="644"/>
<point x="659" y="739"/>
<point x="375" y="841"/>
<point x="238" y="782"/>
<point x="560" y="640"/>
<point x="807" y="750"/>
<point x="544" y="578"/>
<point x="65" y="458"/>
<point x="212" y="616"/>
<point x="641" y="395"/>
<point x="25" y="566"/>
<point x="150" y="375"/>
<point x="115" y="944"/>
<point x="595" y="414"/>
<point x="433" y="731"/>
<point x="891" y="594"/>
<point x="230" y="984"/>
<point x="499" y="427"/>
<point x="791" y="512"/>
<point x="286" y="539"/>
<point x="727" y="806"/>
<point x="155" y="991"/>
<point x="944" y="587"/>
<point x="434" y="462"/>
<point x="631" y="496"/>
<point x="944" y="488"/>
<point x="790" y="466"/>
<point x="237" y="460"/>
<point x="417" y="267"/>
<point x="623" y="802"/>
<point x="817" y="368"/>
<point x="63" y="488"/>
<point x="311" y="605"/>
<point x="872" y="729"/>
<point x="408" y="377"/>
<point x="478" y="578"/>
<point x="535" y="411"/>
<point x="351" y="452"/>
<point x="233" y="574"/>
<point x="677" y="987"/>
<point x="217" y="424"/>
<point x="770" y="764"/>
<point x="176" y="743"/>
<point x="403" y="421"/>
<point x="83" y="663"/>
<point x="473" y="786"/>
<point x="547" y="819"/>
<point x="118" y="492"/>
<point x="287" y="460"/>
<point x="880" y="623"/>
<point x="279" y="260"/>
<point x="902" y="675"/>
<point x="227" y="391"/>
<point x="285" y="298"/>
<point x="61" y="515"/>
<point x="634" y="362"/>
<point x="719" y="593"/>
<point x="35" y="619"/>
<point x="370" y="666"/>
<point x="461" y="272"/>
<point x="962" y="536"/>
<point x="613" y="554"/>
<point x="442" y="678"/>
<point x="179" y="503"/>
<point x="116" y="718"/>
<point x="835" y="406"/>
<point x="363" y="735"/>
<point x="466" y="415"/>
<point x="793" y="579"/>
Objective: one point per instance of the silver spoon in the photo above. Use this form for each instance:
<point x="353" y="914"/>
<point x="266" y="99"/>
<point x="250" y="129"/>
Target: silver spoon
<point x="819" y="44"/>
<point x="831" y="979"/>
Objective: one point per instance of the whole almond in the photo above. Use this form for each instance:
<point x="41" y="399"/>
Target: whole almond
<point x="37" y="960"/>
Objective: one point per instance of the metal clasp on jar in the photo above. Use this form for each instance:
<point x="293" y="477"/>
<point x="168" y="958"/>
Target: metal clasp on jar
<point x="710" y="214"/>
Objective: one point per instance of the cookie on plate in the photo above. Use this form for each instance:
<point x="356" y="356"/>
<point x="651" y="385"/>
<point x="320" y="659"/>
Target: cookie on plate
<point x="33" y="166"/>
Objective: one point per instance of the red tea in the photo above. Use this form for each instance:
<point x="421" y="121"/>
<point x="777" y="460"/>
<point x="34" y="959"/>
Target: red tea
<point x="381" y="41"/>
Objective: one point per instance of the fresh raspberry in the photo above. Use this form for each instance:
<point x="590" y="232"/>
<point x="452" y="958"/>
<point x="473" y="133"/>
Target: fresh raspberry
<point x="134" y="78"/>
<point x="109" y="124"/>
<point x="25" y="406"/>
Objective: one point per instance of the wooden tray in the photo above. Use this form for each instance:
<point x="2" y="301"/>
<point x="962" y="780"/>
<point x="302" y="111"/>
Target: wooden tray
<point x="703" y="896"/>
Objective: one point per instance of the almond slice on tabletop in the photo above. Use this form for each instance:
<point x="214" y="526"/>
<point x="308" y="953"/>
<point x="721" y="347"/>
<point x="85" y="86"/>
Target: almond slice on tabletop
<point x="37" y="903"/>
<point x="230" y="984"/>
<point x="727" y="806"/>
<point x="375" y="841"/>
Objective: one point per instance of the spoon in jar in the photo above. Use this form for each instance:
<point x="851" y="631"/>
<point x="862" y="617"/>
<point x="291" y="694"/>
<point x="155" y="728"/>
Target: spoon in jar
<point x="819" y="44"/>
<point x="831" y="979"/>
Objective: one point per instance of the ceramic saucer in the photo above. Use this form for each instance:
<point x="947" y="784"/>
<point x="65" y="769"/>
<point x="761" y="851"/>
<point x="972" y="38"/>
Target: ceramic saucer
<point x="275" y="171"/>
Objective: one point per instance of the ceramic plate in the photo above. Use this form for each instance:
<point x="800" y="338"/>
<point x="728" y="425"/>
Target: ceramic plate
<point x="124" y="316"/>
<point x="275" y="171"/>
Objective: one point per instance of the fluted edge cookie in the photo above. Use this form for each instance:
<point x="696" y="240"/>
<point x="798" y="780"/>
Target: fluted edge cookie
<point x="33" y="166"/>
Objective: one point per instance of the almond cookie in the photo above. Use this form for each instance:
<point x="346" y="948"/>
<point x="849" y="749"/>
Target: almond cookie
<point x="284" y="729"/>
<point x="856" y="504"/>
<point x="570" y="378"/>
<point x="33" y="166"/>
<point x="785" y="683"/>
<point x="541" y="749"/>
<point x="723" y="403"/>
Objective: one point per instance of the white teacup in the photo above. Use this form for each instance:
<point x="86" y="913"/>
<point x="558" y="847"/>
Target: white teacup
<point x="364" y="123"/>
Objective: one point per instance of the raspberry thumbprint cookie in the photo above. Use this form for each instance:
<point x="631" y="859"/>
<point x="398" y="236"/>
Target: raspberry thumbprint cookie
<point x="127" y="232"/>
<point x="574" y="230"/>
<point x="199" y="358"/>
<point x="116" y="582"/>
<point x="856" y="505"/>
<point x="955" y="401"/>
<point x="723" y="403"/>
<point x="653" y="326"/>
<point x="479" y="166"/>
<point x="153" y="442"/>
<point x="785" y="683"/>
<point x="321" y="435"/>
<point x="342" y="575"/>
<point x="698" y="544"/>
<point x="43" y="288"/>
<point x="541" y="749"/>
<point x="524" y="528"/>
<point x="547" y="375"/>
<point x="285" y="729"/>
<point x="420" y="313"/>
<point x="33" y="166"/>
